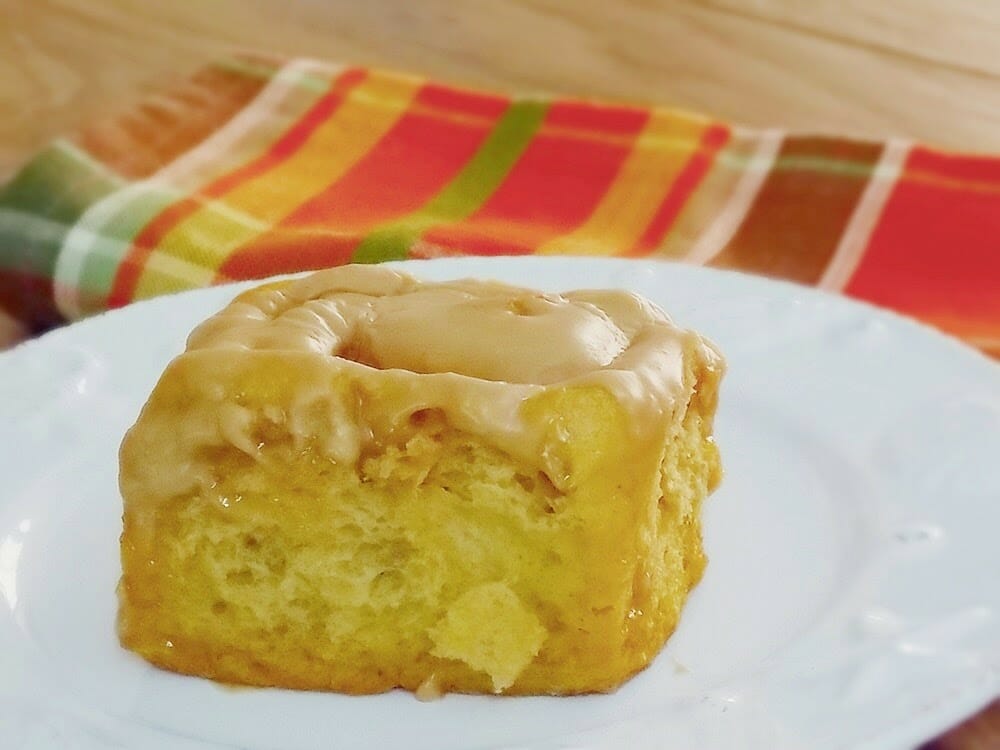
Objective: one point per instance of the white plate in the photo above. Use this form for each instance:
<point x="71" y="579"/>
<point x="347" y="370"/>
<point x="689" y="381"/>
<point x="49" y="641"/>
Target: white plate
<point x="851" y="599"/>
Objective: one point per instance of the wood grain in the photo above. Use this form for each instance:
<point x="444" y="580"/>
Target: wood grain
<point x="918" y="68"/>
<point x="959" y="34"/>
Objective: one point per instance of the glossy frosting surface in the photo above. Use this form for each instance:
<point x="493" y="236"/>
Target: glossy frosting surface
<point x="468" y="337"/>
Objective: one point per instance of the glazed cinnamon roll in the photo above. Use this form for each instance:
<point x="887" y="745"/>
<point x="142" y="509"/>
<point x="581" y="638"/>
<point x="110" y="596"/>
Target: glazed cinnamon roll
<point x="357" y="481"/>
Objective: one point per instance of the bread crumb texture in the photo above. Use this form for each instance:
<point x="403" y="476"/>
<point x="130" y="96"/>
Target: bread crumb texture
<point x="265" y="544"/>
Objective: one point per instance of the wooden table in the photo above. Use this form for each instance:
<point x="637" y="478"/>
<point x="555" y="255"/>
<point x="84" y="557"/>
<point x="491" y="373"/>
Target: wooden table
<point x="926" y="69"/>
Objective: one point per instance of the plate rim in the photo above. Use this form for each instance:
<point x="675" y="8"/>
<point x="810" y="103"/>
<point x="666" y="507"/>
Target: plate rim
<point x="964" y="703"/>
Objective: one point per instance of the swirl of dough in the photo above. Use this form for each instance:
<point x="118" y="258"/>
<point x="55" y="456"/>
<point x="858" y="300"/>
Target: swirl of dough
<point x="482" y="329"/>
<point x="473" y="348"/>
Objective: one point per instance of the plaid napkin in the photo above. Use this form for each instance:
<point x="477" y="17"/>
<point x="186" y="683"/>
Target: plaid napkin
<point x="256" y="167"/>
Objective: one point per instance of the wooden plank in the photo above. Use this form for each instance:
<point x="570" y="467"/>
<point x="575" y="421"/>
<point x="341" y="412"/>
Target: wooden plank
<point x="65" y="62"/>
<point x="960" y="34"/>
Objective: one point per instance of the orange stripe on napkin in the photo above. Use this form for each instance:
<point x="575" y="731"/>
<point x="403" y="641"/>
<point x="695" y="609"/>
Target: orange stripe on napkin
<point x="554" y="186"/>
<point x="336" y="137"/>
<point x="161" y="128"/>
<point x="132" y="266"/>
<point x="427" y="147"/>
<point x="208" y="237"/>
<point x="934" y="254"/>
<point x="713" y="139"/>
<point x="618" y="223"/>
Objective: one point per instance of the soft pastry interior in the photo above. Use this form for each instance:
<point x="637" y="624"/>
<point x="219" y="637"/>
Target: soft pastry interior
<point x="358" y="481"/>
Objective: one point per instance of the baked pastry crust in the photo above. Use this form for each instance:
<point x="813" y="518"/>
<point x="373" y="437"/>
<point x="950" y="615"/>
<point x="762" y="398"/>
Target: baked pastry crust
<point x="358" y="481"/>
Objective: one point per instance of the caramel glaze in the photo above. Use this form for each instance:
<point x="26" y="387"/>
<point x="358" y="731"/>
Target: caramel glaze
<point x="473" y="350"/>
